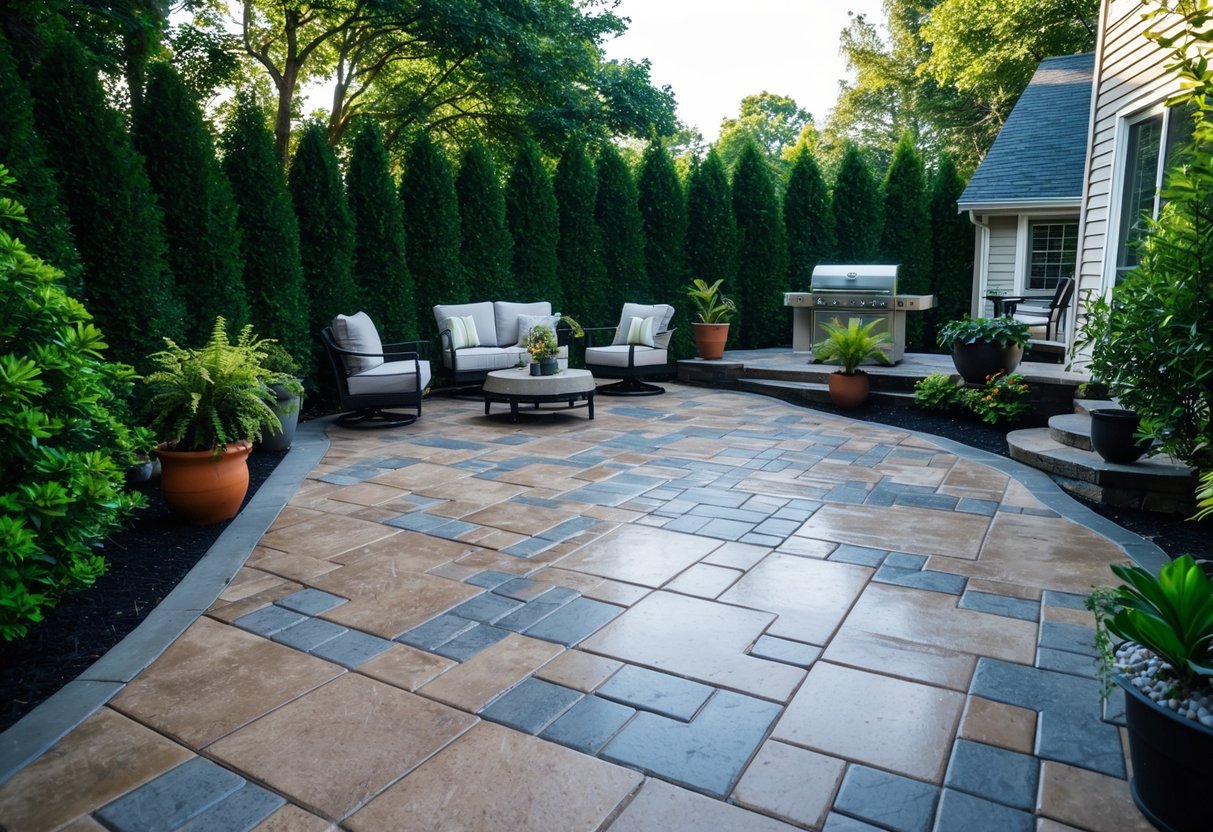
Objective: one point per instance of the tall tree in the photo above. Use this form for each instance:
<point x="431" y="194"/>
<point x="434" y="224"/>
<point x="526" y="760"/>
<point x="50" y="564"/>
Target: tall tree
<point x="199" y="209"/>
<point x="273" y="273"/>
<point x="579" y="251"/>
<point x="762" y="260"/>
<point x="431" y="225"/>
<point x="326" y="229"/>
<point x="711" y="226"/>
<point x="487" y="248"/>
<point x="618" y="218"/>
<point x="906" y="236"/>
<point x="951" y="249"/>
<point x="47" y="234"/>
<point x="380" y="269"/>
<point x="857" y="209"/>
<point x="118" y="228"/>
<point x="807" y="217"/>
<point x="530" y="213"/>
<point x="663" y="210"/>
<point x="771" y="122"/>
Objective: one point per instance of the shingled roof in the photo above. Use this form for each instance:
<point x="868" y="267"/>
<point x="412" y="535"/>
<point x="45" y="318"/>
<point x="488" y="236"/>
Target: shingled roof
<point x="1039" y="155"/>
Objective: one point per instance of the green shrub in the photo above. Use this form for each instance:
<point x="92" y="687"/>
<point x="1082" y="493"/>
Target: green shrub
<point x="530" y="213"/>
<point x="664" y="214"/>
<point x="579" y="250"/>
<point x="808" y="218"/>
<point x="618" y="216"/>
<point x="906" y="237"/>
<point x="856" y="207"/>
<point x="431" y="230"/>
<point x="711" y="226"/>
<point x="486" y="247"/>
<point x="938" y="392"/>
<point x="64" y="441"/>
<point x="762" y="254"/>
<point x="951" y="249"/>
<point x="1003" y="398"/>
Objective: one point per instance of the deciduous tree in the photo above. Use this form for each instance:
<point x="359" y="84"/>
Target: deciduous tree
<point x="771" y="122"/>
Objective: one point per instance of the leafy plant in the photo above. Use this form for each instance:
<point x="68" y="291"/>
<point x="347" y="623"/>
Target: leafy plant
<point x="541" y="343"/>
<point x="1003" y="397"/>
<point x="577" y="329"/>
<point x="1004" y="331"/>
<point x="1171" y="615"/>
<point x="711" y="306"/>
<point x="1204" y="496"/>
<point x="852" y="344"/>
<point x="65" y="440"/>
<point x="202" y="399"/>
<point x="282" y="366"/>
<point x="938" y="392"/>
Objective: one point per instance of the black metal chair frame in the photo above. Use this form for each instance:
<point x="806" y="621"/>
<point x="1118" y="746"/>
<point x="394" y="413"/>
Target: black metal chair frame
<point x="631" y="375"/>
<point x="1058" y="302"/>
<point x="369" y="410"/>
<point x="564" y="337"/>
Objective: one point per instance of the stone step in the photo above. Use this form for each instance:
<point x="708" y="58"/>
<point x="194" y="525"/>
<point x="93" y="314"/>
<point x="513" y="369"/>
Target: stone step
<point x="818" y="373"/>
<point x="1085" y="406"/>
<point x="1073" y="429"/>
<point x="795" y="391"/>
<point x="1157" y="483"/>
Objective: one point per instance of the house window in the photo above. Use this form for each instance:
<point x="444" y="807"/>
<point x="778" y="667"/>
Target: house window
<point x="1054" y="251"/>
<point x="1152" y="142"/>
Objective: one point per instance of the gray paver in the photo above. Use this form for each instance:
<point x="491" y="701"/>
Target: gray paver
<point x="742" y="515"/>
<point x="172" y="798"/>
<point x="858" y="555"/>
<point x="706" y="754"/>
<point x="573" y="622"/>
<point x="1065" y="662"/>
<point x="1074" y="638"/>
<point x="841" y="823"/>
<point x="661" y="693"/>
<point x="536" y="610"/>
<point x="762" y="539"/>
<point x="1069" y="600"/>
<point x="944" y="582"/>
<point x="470" y="642"/>
<point x="268" y="620"/>
<point x="589" y="724"/>
<point x="968" y="505"/>
<point x="904" y="560"/>
<point x="1080" y="739"/>
<point x="993" y="773"/>
<point x="939" y="502"/>
<point x="960" y="812"/>
<point x="489" y="579"/>
<point x="486" y="607"/>
<point x="528" y="548"/>
<point x="567" y="529"/>
<point x="779" y="528"/>
<point x="309" y="634"/>
<point x="1003" y="605"/>
<point x="725" y="529"/>
<point x="1031" y="687"/>
<point x="352" y="648"/>
<point x="436" y="631"/>
<point x="785" y="650"/>
<point x="240" y="811"/>
<point x="531" y="705"/>
<point x="520" y="589"/>
<point x="892" y="801"/>
<point x="418" y="521"/>
<point x="311" y="601"/>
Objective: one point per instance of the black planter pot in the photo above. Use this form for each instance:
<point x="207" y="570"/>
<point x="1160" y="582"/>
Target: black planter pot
<point x="287" y="411"/>
<point x="1172" y="764"/>
<point x="976" y="361"/>
<point x="1112" y="435"/>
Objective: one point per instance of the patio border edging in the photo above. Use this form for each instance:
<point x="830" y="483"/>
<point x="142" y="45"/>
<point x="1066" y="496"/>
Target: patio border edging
<point x="41" y="728"/>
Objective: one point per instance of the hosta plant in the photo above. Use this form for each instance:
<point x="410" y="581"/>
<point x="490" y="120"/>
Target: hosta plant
<point x="1004" y="331"/>
<point x="937" y="392"/>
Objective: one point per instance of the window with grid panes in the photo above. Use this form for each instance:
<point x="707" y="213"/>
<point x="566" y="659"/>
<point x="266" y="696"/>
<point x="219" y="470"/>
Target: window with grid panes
<point x="1054" y="251"/>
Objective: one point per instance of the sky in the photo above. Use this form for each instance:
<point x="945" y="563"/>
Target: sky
<point x="713" y="53"/>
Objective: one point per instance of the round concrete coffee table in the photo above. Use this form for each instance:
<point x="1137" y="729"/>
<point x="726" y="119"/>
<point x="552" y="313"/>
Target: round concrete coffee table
<point x="517" y="385"/>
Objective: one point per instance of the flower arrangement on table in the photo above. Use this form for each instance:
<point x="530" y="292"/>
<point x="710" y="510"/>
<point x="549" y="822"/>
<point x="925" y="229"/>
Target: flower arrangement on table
<point x="541" y="344"/>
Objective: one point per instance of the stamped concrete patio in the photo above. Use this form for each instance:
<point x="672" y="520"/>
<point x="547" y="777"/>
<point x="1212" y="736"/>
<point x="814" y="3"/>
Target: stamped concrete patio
<point x="704" y="610"/>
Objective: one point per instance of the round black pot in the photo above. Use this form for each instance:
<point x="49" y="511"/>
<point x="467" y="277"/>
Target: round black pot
<point x="976" y="361"/>
<point x="1112" y="432"/>
<point x="1172" y="764"/>
<point x="287" y="411"/>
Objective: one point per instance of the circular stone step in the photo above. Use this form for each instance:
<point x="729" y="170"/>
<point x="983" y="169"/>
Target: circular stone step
<point x="1073" y="429"/>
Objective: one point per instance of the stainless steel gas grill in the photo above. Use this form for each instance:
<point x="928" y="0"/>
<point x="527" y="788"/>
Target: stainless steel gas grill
<point x="844" y="292"/>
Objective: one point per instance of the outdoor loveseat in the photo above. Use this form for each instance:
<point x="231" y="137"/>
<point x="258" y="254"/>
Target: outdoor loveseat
<point x="477" y="338"/>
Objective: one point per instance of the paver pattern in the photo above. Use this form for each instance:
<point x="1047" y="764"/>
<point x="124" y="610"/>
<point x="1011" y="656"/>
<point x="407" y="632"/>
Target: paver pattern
<point x="710" y="610"/>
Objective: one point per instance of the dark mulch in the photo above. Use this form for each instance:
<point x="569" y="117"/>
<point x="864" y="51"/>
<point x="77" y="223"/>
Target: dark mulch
<point x="146" y="560"/>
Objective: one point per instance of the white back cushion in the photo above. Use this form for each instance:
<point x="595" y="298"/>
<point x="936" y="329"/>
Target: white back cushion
<point x="463" y="332"/>
<point x="527" y="322"/>
<point x="506" y="314"/>
<point x="663" y="312"/>
<point x="357" y="332"/>
<point x="482" y="314"/>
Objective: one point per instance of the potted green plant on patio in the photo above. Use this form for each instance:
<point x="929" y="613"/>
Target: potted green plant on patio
<point x="850" y="346"/>
<point x="543" y="347"/>
<point x="714" y="310"/>
<point x="288" y="391"/>
<point x="982" y="347"/>
<point x="1165" y="667"/>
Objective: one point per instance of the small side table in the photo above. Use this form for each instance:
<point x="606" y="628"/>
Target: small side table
<point x="516" y="385"/>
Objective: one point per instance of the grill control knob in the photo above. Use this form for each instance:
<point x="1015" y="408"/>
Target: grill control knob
<point x="833" y="303"/>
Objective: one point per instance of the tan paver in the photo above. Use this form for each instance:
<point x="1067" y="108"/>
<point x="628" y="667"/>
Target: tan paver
<point x="895" y="656"/>
<point x="477" y="681"/>
<point x="290" y="818"/>
<point x="661" y="807"/>
<point x="387" y="602"/>
<point x="617" y="592"/>
<point x="919" y="531"/>
<point x="578" y="670"/>
<point x="1088" y="800"/>
<point x="640" y="555"/>
<point x="513" y="518"/>
<point x="790" y="783"/>
<point x="744" y="555"/>
<point x="996" y="723"/>
<point x="405" y="667"/>
<point x="326" y="536"/>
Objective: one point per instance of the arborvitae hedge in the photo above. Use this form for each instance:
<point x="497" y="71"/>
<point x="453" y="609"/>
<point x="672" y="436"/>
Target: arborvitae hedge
<point x="487" y="247"/>
<point x="618" y="218"/>
<point x="807" y="218"/>
<point x="431" y="226"/>
<point x="326" y="229"/>
<point x="380" y="268"/>
<point x="48" y="233"/>
<point x="762" y="271"/>
<point x="530" y="213"/>
<point x="273" y="274"/>
<point x="199" y="209"/>
<point x="711" y="226"/>
<point x="951" y="249"/>
<point x="857" y="210"/>
<point x="906" y="238"/>
<point x="663" y="210"/>
<point x="118" y="229"/>
<point x="580" y="248"/>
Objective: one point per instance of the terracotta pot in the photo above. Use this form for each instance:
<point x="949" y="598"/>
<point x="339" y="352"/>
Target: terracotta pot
<point x="848" y="391"/>
<point x="1112" y="432"/>
<point x="202" y="489"/>
<point x="976" y="361"/>
<point x="710" y="340"/>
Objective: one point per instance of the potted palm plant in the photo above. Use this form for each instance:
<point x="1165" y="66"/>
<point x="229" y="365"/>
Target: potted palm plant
<point x="714" y="310"/>
<point x="207" y="405"/>
<point x="850" y="346"/>
<point x="983" y="347"/>
<point x="1165" y="666"/>
<point x="288" y="392"/>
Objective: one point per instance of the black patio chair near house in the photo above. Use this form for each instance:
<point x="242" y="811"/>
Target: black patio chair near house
<point x="1044" y="314"/>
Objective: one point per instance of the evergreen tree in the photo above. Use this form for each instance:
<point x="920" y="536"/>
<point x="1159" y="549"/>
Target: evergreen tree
<point x="118" y="229"/>
<point x="663" y="210"/>
<point x="808" y="219"/>
<point x="487" y="248"/>
<point x="618" y="217"/>
<point x="431" y="226"/>
<point x="48" y="233"/>
<point x="530" y="213"/>
<point x="580" y="248"/>
<point x="906" y="238"/>
<point x="711" y="226"/>
<point x="951" y="250"/>
<point x="857" y="210"/>
<point x="273" y="273"/>
<point x="380" y="267"/>
<point x="326" y="229"/>
<point x="199" y="209"/>
<point x="762" y="254"/>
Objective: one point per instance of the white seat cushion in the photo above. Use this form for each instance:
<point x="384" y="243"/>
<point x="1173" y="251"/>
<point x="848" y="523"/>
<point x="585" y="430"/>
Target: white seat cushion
<point x="357" y="333"/>
<point x="616" y="355"/>
<point x="664" y="312"/>
<point x="505" y="316"/>
<point x="390" y="377"/>
<point x="480" y="359"/>
<point x="482" y="314"/>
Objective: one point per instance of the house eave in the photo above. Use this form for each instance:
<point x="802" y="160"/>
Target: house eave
<point x="1019" y="206"/>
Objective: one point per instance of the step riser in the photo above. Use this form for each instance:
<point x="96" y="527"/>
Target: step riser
<point x="806" y="391"/>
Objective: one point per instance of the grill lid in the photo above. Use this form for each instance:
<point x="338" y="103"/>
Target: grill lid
<point x="876" y="280"/>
